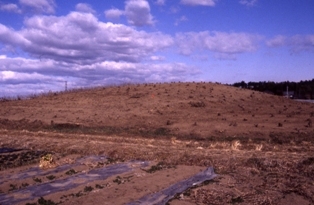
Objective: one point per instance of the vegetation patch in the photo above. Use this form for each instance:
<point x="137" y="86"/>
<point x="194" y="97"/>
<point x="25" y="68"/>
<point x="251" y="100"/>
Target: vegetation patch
<point x="38" y="180"/>
<point x="161" y="131"/>
<point x="197" y="104"/>
<point x="236" y="200"/>
<point x="19" y="158"/>
<point x="118" y="180"/>
<point x="71" y="172"/>
<point x="51" y="177"/>
<point x="98" y="186"/>
<point x="12" y="187"/>
<point x="122" y="180"/>
<point x="88" y="189"/>
<point x="158" y="167"/>
<point x="42" y="201"/>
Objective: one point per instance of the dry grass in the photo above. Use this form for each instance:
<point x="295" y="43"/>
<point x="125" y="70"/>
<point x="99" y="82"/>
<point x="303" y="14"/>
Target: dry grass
<point x="259" y="161"/>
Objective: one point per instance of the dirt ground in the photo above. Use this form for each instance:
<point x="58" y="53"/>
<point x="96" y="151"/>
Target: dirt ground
<point x="261" y="146"/>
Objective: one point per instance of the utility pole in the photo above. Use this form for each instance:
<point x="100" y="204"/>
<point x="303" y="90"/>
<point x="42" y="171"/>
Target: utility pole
<point x="66" y="85"/>
<point x="287" y="91"/>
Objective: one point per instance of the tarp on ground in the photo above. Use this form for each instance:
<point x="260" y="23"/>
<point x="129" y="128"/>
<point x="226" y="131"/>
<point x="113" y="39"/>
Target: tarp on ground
<point x="40" y="190"/>
<point x="162" y="197"/>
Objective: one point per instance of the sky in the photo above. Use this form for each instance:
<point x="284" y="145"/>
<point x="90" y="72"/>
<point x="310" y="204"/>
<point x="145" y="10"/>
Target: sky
<point x="45" y="44"/>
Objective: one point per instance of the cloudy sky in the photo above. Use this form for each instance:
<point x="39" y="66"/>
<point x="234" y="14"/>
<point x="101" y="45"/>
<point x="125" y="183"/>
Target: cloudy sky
<point x="44" y="43"/>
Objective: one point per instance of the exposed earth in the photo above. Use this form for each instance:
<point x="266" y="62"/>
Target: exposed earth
<point x="261" y="146"/>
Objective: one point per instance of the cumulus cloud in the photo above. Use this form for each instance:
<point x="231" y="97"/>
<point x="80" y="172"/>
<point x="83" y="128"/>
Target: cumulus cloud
<point x="12" y="77"/>
<point x="80" y="38"/>
<point x="9" y="37"/>
<point x="157" y="58"/>
<point x="41" y="6"/>
<point x="199" y="2"/>
<point x="10" y="8"/>
<point x="160" y="2"/>
<point x="276" y="41"/>
<point x="138" y="13"/>
<point x="181" y="19"/>
<point x="174" y="9"/>
<point x="296" y="43"/>
<point x="299" y="43"/>
<point x="51" y="72"/>
<point x="89" y="52"/>
<point x="113" y="13"/>
<point x="82" y="7"/>
<point x="248" y="2"/>
<point x="224" y="44"/>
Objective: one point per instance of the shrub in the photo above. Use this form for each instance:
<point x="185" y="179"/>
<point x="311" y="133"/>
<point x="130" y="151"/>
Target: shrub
<point x="197" y="104"/>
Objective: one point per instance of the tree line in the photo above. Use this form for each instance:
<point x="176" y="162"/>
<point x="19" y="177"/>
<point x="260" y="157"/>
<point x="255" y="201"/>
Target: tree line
<point x="296" y="90"/>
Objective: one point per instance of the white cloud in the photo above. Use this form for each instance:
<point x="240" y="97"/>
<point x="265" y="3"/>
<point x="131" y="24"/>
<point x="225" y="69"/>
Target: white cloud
<point x="181" y="19"/>
<point x="89" y="52"/>
<point x="41" y="6"/>
<point x="23" y="83"/>
<point x="296" y="43"/>
<point x="20" y="77"/>
<point x="276" y="41"/>
<point x="300" y="43"/>
<point x="174" y="9"/>
<point x="82" y="7"/>
<point x="138" y="13"/>
<point x="49" y="74"/>
<point x="199" y="2"/>
<point x="81" y="38"/>
<point x="113" y="13"/>
<point x="157" y="58"/>
<point x="160" y="2"/>
<point x="10" y="8"/>
<point x="10" y="37"/>
<point x="221" y="43"/>
<point x="248" y="2"/>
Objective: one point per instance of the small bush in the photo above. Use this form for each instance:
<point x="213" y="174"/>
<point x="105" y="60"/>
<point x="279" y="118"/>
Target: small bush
<point x="43" y="201"/>
<point x="237" y="200"/>
<point x="98" y="186"/>
<point x="197" y="104"/>
<point x="37" y="180"/>
<point x="118" y="180"/>
<point x="161" y="131"/>
<point x="71" y="172"/>
<point x="12" y="187"/>
<point x="159" y="166"/>
<point x="88" y="189"/>
<point x="51" y="177"/>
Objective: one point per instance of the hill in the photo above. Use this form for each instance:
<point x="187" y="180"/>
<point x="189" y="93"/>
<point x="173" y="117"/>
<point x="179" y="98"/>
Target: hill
<point x="186" y="110"/>
<point x="120" y="144"/>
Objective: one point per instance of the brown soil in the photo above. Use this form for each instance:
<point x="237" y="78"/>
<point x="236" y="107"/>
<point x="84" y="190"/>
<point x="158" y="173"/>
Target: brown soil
<point x="260" y="145"/>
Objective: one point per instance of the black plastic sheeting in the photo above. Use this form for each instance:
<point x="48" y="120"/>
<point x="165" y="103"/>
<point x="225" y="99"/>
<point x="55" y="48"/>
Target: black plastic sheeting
<point x="44" y="189"/>
<point x="36" y="171"/>
<point x="8" y="150"/>
<point x="164" y="196"/>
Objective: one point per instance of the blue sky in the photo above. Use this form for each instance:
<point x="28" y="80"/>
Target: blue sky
<point x="44" y="43"/>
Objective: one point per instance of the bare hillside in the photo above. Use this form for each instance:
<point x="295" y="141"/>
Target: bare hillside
<point x="191" y="110"/>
